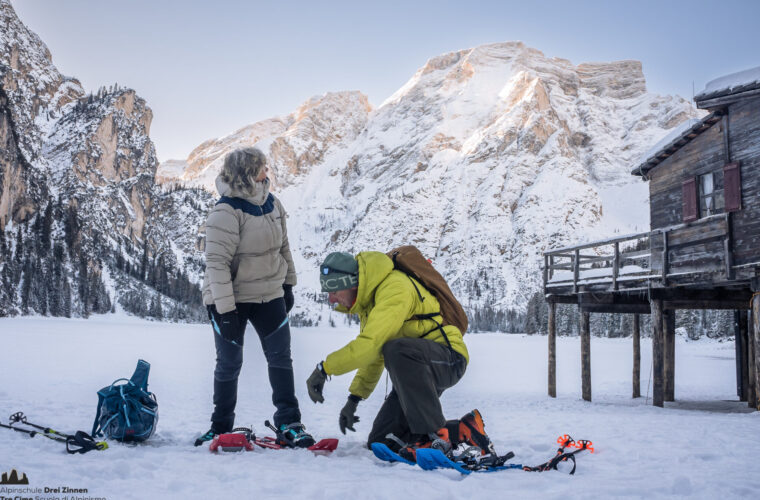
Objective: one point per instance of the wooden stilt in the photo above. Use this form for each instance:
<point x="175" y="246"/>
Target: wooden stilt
<point x="751" y="392"/>
<point x="552" y="349"/>
<point x="636" y="357"/>
<point x="669" y="352"/>
<point x="585" y="355"/>
<point x="742" y="360"/>
<point x="658" y="372"/>
<point x="756" y="346"/>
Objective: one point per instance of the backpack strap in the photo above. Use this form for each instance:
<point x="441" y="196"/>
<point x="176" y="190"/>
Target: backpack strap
<point x="430" y="316"/>
<point x="422" y="299"/>
<point x="439" y="326"/>
<point x="95" y="425"/>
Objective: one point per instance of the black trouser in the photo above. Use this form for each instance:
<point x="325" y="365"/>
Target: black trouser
<point x="270" y="322"/>
<point x="420" y="370"/>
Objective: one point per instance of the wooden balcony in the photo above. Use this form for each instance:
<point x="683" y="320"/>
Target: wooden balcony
<point x="692" y="254"/>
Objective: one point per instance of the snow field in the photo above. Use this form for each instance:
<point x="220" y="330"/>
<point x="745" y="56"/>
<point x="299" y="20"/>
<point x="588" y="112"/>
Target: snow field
<point x="702" y="446"/>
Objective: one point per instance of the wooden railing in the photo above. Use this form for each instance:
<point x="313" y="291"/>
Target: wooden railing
<point x="677" y="253"/>
<point x="598" y="262"/>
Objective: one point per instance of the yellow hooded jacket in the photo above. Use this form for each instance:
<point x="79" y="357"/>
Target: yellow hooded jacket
<point x="386" y="303"/>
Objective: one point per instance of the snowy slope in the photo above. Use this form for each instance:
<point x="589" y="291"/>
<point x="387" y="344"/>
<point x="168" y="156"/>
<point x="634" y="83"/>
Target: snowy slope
<point x="483" y="159"/>
<point x="702" y="446"/>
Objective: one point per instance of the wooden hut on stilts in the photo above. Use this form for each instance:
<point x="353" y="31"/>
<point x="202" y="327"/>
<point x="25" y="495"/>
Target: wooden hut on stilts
<point x="702" y="250"/>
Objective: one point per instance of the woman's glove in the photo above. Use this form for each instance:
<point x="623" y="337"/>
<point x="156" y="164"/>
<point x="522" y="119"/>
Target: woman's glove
<point x="315" y="383"/>
<point x="289" y="299"/>
<point x="227" y="325"/>
<point x="348" y="414"/>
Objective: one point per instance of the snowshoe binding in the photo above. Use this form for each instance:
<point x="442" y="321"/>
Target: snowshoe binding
<point x="292" y="435"/>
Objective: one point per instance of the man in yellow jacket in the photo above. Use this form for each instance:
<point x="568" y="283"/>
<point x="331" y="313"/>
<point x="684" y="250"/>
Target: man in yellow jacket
<point x="396" y="332"/>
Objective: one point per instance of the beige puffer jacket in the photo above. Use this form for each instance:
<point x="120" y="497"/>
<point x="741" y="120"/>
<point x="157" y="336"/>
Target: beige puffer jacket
<point x="247" y="253"/>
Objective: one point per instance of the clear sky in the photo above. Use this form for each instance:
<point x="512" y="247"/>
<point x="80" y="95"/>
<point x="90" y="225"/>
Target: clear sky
<point x="209" y="68"/>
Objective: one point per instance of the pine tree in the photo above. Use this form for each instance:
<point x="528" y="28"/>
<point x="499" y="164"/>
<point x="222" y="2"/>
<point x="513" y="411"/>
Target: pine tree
<point x="55" y="281"/>
<point x="26" y="286"/>
<point x="71" y="227"/>
<point x="40" y="288"/>
<point x="7" y="290"/>
<point x="66" y="298"/>
<point x="19" y="250"/>
<point x="46" y="229"/>
<point x="156" y="311"/>
<point x="83" y="287"/>
<point x="144" y="263"/>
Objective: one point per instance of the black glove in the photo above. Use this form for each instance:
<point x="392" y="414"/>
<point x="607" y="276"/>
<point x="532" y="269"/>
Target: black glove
<point x="348" y="414"/>
<point x="315" y="383"/>
<point x="227" y="325"/>
<point x="289" y="299"/>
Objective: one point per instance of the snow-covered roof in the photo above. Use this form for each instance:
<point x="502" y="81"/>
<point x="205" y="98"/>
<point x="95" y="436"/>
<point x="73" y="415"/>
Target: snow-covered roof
<point x="675" y="140"/>
<point x="735" y="83"/>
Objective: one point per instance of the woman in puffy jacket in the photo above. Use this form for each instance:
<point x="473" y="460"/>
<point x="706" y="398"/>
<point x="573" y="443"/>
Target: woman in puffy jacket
<point x="250" y="277"/>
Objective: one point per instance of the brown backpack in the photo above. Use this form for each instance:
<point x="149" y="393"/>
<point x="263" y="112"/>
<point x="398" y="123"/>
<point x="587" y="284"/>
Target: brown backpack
<point x="410" y="260"/>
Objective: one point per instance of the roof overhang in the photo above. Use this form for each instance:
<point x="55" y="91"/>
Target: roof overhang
<point x="684" y="138"/>
<point x="723" y="98"/>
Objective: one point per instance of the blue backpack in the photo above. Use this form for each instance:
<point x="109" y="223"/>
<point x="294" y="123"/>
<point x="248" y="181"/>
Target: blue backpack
<point x="127" y="412"/>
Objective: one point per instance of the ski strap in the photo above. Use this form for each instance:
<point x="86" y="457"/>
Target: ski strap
<point x="81" y="443"/>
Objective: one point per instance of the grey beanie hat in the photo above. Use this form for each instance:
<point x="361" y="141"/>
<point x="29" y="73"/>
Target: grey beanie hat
<point x="339" y="271"/>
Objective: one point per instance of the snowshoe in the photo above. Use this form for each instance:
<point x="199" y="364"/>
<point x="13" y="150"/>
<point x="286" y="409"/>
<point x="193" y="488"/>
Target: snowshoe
<point x="238" y="440"/>
<point x="385" y="454"/>
<point x="289" y="438"/>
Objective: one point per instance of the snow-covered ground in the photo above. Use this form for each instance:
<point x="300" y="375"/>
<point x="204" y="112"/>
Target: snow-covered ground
<point x="702" y="446"/>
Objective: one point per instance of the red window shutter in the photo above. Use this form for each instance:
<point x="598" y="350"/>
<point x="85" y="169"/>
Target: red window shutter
<point x="690" y="200"/>
<point x="732" y="187"/>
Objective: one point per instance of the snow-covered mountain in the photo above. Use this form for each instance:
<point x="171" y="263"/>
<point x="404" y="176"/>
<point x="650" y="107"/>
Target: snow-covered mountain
<point x="482" y="159"/>
<point x="79" y="205"/>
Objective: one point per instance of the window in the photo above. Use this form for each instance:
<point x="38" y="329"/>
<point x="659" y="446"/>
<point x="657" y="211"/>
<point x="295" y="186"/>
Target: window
<point x="710" y="194"/>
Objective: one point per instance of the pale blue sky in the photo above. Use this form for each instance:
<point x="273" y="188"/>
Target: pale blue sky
<point x="207" y="68"/>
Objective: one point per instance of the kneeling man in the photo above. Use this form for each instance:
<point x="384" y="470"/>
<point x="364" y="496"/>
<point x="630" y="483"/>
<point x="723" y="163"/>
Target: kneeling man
<point x="401" y="330"/>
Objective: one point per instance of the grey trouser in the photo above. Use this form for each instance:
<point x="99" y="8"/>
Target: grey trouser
<point x="420" y="370"/>
<point x="268" y="319"/>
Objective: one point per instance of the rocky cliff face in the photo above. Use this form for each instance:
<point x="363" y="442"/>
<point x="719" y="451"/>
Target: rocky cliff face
<point x="294" y="143"/>
<point x="483" y="159"/>
<point x="78" y="173"/>
<point x="34" y="92"/>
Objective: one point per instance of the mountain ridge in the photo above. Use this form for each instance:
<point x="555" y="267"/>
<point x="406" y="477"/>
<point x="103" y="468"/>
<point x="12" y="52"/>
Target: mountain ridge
<point x="483" y="158"/>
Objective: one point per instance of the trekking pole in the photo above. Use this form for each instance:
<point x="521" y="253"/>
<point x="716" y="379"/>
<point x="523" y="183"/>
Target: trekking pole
<point x="80" y="442"/>
<point x="47" y="431"/>
<point x="33" y="433"/>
